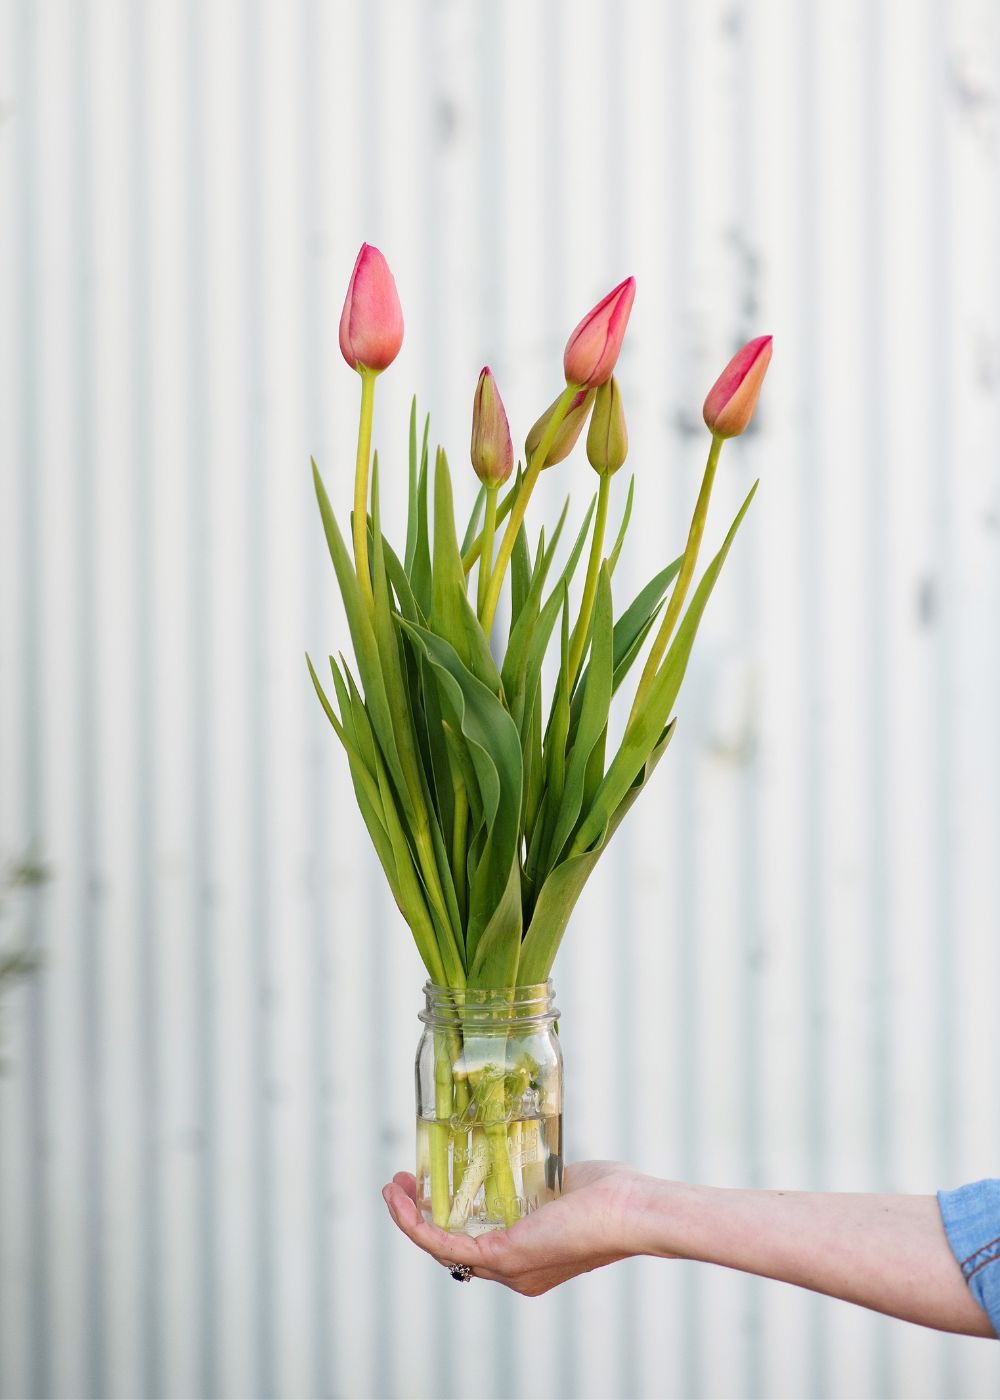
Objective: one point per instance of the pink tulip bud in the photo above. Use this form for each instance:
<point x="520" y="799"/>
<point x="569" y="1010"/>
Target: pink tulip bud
<point x="492" y="450"/>
<point x="733" y="397"/>
<point x="371" y="324"/>
<point x="607" y="436"/>
<point x="568" y="431"/>
<point x="592" y="350"/>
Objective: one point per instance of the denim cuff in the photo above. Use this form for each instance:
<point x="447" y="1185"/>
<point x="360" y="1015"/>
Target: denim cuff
<point x="971" y="1217"/>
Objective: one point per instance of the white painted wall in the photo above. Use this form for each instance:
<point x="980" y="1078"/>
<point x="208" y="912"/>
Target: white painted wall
<point x="786" y="972"/>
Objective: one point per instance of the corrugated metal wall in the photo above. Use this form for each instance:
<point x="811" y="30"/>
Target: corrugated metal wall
<point x="786" y="973"/>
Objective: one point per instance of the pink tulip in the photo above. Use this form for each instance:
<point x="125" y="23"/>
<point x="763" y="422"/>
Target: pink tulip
<point x="371" y="324"/>
<point x="592" y="349"/>
<point x="733" y="397"/>
<point x="492" y="450"/>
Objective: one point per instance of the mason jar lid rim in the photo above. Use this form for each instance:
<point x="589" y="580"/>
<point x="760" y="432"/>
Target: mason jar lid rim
<point x="529" y="991"/>
<point x="532" y="1001"/>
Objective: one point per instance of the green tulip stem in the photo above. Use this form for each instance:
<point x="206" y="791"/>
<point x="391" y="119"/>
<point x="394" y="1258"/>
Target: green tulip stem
<point x="368" y="378"/>
<point x="684" y="577"/>
<point x="475" y="549"/>
<point x="579" y="639"/>
<point x="489" y="530"/>
<point x="427" y="860"/>
<point x="521" y="504"/>
<point x="459" y="840"/>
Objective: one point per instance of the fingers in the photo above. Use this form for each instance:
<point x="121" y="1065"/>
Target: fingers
<point x="444" y="1247"/>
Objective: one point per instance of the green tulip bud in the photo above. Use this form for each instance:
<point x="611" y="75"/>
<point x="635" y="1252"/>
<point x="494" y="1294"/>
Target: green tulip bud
<point x="569" y="429"/>
<point x="607" y="437"/>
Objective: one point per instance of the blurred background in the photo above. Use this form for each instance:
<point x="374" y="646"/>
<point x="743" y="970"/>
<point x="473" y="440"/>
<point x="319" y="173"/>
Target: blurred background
<point x="785" y="971"/>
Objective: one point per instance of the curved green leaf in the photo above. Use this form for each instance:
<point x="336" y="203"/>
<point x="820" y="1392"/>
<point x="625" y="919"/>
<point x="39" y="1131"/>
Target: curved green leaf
<point x="563" y="887"/>
<point x="593" y="719"/>
<point x="494" y="749"/>
<point x="641" y="733"/>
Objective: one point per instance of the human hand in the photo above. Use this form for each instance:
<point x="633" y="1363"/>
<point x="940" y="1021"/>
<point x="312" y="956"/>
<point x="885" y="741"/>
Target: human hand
<point x="596" y="1221"/>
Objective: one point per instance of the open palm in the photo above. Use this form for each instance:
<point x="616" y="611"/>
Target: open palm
<point x="593" y="1223"/>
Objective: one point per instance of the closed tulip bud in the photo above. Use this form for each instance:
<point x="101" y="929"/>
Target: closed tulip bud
<point x="492" y="450"/>
<point x="569" y="429"/>
<point x="607" y="436"/>
<point x="592" y="350"/>
<point x="733" y="397"/>
<point x="371" y="324"/>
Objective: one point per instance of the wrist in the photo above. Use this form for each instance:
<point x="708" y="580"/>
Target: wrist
<point x="661" y="1217"/>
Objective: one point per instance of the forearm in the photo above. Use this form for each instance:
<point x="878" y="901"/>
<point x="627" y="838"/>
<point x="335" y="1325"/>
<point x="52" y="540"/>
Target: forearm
<point x="889" y="1253"/>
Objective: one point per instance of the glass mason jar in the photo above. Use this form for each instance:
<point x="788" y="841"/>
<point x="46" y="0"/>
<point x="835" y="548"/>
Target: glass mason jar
<point x="489" y="1106"/>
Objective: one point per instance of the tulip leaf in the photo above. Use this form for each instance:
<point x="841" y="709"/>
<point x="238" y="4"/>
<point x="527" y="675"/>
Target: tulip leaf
<point x="499" y="948"/>
<point x="438" y="762"/>
<point x="351" y="704"/>
<point x="594" y="775"/>
<point x="365" y="646"/>
<point x="434" y="864"/>
<point x="558" y="728"/>
<point x="432" y="944"/>
<point x="390" y="657"/>
<point x="630" y="632"/>
<point x="564" y="884"/>
<point x="400" y="584"/>
<point x="538" y="639"/>
<point x="593" y="719"/>
<point x="642" y="733"/>
<point x="622" y="529"/>
<point x="531" y="749"/>
<point x="411" y="500"/>
<point x="554" y="758"/>
<point x="472" y="529"/>
<point x="365" y="784"/>
<point x="419" y="567"/>
<point x="381" y="817"/>
<point x="494" y="749"/>
<point x="515" y="660"/>
<point x="452" y="616"/>
<point x="520" y="575"/>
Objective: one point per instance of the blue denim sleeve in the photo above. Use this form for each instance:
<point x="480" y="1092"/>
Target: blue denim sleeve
<point x="971" y="1217"/>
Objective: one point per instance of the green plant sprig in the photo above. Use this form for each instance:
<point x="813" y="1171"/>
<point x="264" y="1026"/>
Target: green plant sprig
<point x="489" y="809"/>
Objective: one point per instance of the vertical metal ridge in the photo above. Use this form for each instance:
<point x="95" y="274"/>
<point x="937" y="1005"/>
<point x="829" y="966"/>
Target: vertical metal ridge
<point x="816" y="970"/>
<point x="939" y="435"/>
<point x="149" y="1243"/>
<point x="744" y="145"/>
<point x="939" y="452"/>
<point x="614" y="184"/>
<point x="320" y="823"/>
<point x="492" y="328"/>
<point x="876" y="579"/>
<point x="552" y="103"/>
<point x="32" y="801"/>
<point x="373" y="24"/>
<point x="208" y="1288"/>
<point x="95" y="1310"/>
<point x="685" y="768"/>
<point x="255" y="621"/>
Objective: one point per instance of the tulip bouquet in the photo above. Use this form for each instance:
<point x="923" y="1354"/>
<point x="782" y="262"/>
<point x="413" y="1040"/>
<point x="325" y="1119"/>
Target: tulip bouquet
<point x="487" y="806"/>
